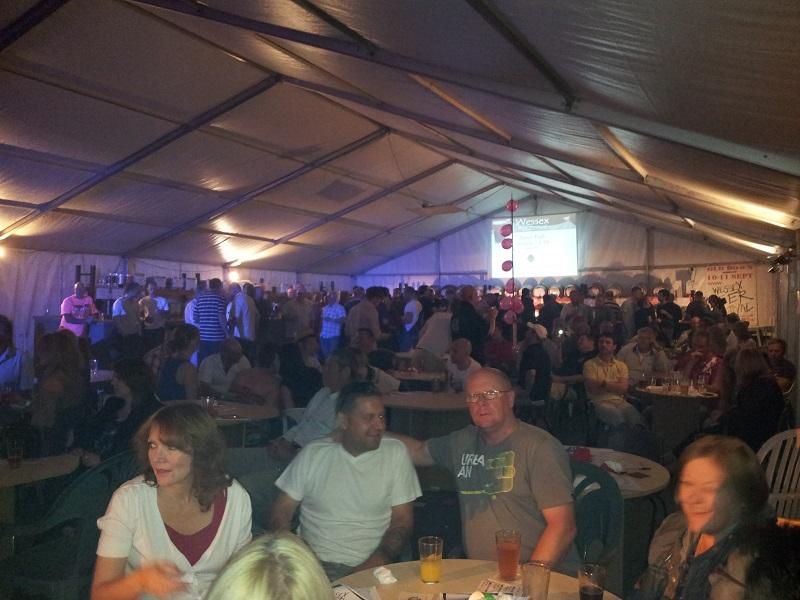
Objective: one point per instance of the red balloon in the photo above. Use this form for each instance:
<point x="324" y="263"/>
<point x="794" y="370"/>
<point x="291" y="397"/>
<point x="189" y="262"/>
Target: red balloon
<point x="507" y="265"/>
<point x="507" y="243"/>
<point x="510" y="286"/>
<point x="506" y="230"/>
<point x="516" y="305"/>
<point x="505" y="303"/>
<point x="510" y="317"/>
<point x="512" y="205"/>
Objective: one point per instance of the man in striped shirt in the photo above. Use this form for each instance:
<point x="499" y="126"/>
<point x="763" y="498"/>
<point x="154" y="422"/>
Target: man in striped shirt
<point x="209" y="317"/>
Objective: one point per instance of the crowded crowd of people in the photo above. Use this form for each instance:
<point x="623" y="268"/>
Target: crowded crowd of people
<point x="182" y="528"/>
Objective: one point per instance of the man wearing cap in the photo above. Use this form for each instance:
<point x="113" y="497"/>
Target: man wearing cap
<point x="308" y="344"/>
<point x="510" y="475"/>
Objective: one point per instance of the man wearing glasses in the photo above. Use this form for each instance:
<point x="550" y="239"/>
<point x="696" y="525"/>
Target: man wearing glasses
<point x="510" y="475"/>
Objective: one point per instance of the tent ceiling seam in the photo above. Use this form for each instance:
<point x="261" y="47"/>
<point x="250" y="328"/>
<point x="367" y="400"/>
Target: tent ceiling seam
<point x="530" y="96"/>
<point x="233" y="203"/>
<point x="147" y="150"/>
<point x="411" y="223"/>
<point x="360" y="204"/>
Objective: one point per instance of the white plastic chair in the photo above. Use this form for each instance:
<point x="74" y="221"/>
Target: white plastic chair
<point x="780" y="457"/>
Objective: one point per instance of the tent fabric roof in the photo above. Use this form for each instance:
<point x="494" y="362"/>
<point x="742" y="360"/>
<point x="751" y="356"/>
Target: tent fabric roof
<point x="329" y="136"/>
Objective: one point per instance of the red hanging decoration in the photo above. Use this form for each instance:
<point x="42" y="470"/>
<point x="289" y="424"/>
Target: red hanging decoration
<point x="508" y="265"/>
<point x="512" y="206"/>
<point x="507" y="243"/>
<point x="506" y="230"/>
<point x="510" y="317"/>
<point x="505" y="303"/>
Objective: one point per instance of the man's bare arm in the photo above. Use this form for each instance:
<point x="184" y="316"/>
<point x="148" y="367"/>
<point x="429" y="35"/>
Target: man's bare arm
<point x="417" y="449"/>
<point x="283" y="510"/>
<point x="558" y="535"/>
<point x="394" y="538"/>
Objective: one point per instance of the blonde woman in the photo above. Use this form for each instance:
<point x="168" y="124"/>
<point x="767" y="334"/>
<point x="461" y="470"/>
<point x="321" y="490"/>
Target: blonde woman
<point x="273" y="567"/>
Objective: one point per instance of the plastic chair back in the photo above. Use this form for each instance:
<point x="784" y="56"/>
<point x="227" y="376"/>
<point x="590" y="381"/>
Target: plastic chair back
<point x="780" y="457"/>
<point x="59" y="553"/>
<point x="599" y="512"/>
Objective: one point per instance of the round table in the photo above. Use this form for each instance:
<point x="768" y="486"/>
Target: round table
<point x="459" y="576"/>
<point x="418" y="375"/>
<point x="30" y="471"/>
<point x="675" y="416"/>
<point x="640" y="476"/>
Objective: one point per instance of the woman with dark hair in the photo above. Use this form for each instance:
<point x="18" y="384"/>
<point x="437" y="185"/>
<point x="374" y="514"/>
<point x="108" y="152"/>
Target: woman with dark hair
<point x="757" y="400"/>
<point x="59" y="398"/>
<point x="168" y="532"/>
<point x="111" y="429"/>
<point x="178" y="379"/>
<point x="721" y="492"/>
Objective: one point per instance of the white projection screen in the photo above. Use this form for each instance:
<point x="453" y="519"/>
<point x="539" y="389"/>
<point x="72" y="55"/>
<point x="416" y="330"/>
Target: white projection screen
<point x="542" y="246"/>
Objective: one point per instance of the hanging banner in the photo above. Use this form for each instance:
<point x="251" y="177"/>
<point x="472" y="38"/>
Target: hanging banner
<point x="736" y="284"/>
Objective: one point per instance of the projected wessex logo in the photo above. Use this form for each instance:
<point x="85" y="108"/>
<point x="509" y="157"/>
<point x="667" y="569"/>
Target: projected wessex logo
<point x="542" y="246"/>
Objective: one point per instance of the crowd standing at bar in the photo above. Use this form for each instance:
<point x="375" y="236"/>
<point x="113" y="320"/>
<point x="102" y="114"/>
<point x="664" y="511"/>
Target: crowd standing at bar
<point x="334" y="354"/>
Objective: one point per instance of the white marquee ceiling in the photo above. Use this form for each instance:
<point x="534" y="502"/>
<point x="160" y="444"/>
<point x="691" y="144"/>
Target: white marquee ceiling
<point x="307" y="134"/>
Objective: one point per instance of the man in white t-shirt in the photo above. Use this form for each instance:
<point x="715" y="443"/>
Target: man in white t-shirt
<point x="218" y="371"/>
<point x="460" y="364"/>
<point x="354" y="490"/>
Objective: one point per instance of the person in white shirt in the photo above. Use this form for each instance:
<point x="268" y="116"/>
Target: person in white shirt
<point x="460" y="364"/>
<point x="434" y="338"/>
<point x="242" y="315"/>
<point x="168" y="532"/>
<point x="218" y="371"/>
<point x="319" y="418"/>
<point x="355" y="490"/>
<point x="412" y="323"/>
<point x="16" y="368"/>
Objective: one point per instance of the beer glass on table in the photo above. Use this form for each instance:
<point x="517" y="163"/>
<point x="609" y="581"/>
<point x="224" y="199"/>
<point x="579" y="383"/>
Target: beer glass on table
<point x="591" y="581"/>
<point x="430" y="558"/>
<point x="508" y="543"/>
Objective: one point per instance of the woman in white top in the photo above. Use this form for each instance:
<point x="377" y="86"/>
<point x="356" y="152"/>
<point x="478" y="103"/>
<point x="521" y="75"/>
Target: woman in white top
<point x="169" y="532"/>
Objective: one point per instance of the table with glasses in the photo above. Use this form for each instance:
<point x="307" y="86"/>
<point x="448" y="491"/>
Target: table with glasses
<point x="459" y="576"/>
<point x="675" y="412"/>
<point x="419" y="380"/>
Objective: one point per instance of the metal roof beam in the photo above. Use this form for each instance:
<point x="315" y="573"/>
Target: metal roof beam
<point x="152" y="147"/>
<point x="233" y="203"/>
<point x="30" y="19"/>
<point x="500" y="23"/>
<point x="526" y="95"/>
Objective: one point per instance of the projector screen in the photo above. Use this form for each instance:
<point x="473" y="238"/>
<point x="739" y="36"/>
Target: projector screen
<point x="543" y="246"/>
